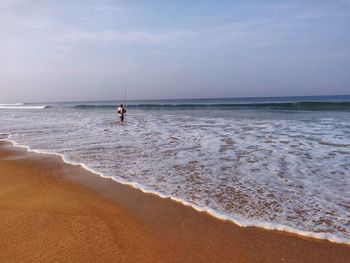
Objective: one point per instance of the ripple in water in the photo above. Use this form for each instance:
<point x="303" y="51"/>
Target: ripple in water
<point x="289" y="169"/>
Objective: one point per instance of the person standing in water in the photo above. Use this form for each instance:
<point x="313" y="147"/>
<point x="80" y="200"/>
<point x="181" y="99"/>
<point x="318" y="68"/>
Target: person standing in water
<point x="121" y="112"/>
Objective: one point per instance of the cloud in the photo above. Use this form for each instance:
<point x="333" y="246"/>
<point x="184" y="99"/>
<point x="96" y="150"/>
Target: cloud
<point x="72" y="43"/>
<point x="93" y="22"/>
<point x="127" y="37"/>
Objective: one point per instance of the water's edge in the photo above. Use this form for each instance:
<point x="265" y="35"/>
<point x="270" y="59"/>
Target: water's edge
<point x="237" y="220"/>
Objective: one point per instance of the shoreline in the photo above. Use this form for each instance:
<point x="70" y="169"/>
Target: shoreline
<point x="238" y="222"/>
<point x="132" y="226"/>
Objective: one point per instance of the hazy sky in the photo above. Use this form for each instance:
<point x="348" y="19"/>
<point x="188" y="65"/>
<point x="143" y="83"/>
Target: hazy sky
<point x="89" y="49"/>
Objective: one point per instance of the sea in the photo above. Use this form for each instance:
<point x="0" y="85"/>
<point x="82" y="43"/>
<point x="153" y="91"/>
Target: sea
<point x="280" y="163"/>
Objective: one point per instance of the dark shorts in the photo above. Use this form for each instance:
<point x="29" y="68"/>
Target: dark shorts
<point x="121" y="118"/>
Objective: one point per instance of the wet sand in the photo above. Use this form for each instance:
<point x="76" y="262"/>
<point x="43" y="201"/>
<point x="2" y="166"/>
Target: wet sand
<point x="54" y="212"/>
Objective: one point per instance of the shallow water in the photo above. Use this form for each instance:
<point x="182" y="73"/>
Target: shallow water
<point x="260" y="167"/>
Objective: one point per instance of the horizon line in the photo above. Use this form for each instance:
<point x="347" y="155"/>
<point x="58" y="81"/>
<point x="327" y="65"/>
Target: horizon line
<point x="200" y="98"/>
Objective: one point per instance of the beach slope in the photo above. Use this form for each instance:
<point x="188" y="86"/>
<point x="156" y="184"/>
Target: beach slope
<point x="51" y="211"/>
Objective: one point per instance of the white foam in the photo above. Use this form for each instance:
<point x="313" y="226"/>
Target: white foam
<point x="238" y="220"/>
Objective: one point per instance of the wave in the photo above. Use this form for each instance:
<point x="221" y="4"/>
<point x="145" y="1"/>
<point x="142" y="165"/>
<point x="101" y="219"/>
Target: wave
<point x="287" y="106"/>
<point x="237" y="220"/>
<point x="302" y="105"/>
<point x="11" y="104"/>
<point x="27" y="107"/>
<point x="23" y="106"/>
<point x="193" y="105"/>
<point x="91" y="106"/>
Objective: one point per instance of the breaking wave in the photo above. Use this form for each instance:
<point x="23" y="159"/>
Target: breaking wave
<point x="302" y="105"/>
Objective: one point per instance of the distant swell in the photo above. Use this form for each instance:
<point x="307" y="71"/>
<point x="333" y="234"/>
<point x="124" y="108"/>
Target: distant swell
<point x="279" y="106"/>
<point x="11" y="104"/>
<point x="91" y="106"/>
<point x="20" y="107"/>
<point x="304" y="105"/>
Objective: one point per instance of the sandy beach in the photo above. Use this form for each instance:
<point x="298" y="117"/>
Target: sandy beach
<point x="54" y="212"/>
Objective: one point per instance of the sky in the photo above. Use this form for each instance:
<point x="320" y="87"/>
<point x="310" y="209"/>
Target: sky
<point x="75" y="50"/>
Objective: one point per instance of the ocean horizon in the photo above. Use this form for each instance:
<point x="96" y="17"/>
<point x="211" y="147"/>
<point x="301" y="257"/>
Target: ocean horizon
<point x="324" y="98"/>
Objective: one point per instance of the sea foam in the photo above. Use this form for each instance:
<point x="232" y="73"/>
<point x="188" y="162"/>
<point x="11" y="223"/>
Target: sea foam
<point x="237" y="220"/>
<point x="286" y="171"/>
